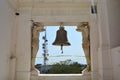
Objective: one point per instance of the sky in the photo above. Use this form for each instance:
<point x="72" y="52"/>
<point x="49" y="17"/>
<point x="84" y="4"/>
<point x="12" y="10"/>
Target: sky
<point x="74" y="52"/>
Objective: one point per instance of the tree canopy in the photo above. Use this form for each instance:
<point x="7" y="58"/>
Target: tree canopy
<point x="66" y="67"/>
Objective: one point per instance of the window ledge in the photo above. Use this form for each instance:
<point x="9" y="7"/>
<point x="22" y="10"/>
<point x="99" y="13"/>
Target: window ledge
<point x="60" y="74"/>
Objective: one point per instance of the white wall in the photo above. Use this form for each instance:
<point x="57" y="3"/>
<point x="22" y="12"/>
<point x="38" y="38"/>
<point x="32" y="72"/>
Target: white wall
<point x="114" y="22"/>
<point x="6" y="24"/>
<point x="104" y="57"/>
<point x="63" y="77"/>
<point x="113" y="8"/>
<point x="23" y="51"/>
<point x="116" y="62"/>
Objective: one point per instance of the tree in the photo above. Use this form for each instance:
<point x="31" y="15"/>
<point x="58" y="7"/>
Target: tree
<point x="66" y="67"/>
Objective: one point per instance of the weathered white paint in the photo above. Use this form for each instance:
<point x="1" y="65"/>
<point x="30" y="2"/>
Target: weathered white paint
<point x="94" y="40"/>
<point x="15" y="40"/>
<point x="7" y="23"/>
<point x="115" y="52"/>
<point x="108" y="22"/>
<point x="114" y="22"/>
<point x="23" y="51"/>
<point x="62" y="77"/>
<point x="104" y="56"/>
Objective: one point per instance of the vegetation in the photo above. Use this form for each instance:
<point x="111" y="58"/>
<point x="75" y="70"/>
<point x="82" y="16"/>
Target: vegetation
<point x="66" y="67"/>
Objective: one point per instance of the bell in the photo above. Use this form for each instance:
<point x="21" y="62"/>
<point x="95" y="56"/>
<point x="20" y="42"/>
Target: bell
<point x="61" y="38"/>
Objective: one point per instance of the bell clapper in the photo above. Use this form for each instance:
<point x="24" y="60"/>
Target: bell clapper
<point x="61" y="48"/>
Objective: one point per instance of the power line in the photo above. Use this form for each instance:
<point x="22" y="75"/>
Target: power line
<point x="61" y="56"/>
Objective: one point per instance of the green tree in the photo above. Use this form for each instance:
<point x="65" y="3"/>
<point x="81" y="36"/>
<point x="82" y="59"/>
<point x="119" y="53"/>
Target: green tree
<point x="66" y="67"/>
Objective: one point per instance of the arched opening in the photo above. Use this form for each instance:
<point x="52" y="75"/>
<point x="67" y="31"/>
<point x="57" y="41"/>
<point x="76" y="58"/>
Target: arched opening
<point x="72" y="54"/>
<point x="84" y="43"/>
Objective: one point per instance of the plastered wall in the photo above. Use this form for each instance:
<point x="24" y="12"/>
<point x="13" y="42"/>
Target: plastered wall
<point x="10" y="36"/>
<point x="114" y="30"/>
<point x="6" y="24"/>
<point x="114" y="22"/>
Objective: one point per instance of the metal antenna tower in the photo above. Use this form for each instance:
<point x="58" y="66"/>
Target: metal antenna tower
<point x="45" y="50"/>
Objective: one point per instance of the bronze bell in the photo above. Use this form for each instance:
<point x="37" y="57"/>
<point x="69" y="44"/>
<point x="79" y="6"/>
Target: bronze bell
<point x="61" y="38"/>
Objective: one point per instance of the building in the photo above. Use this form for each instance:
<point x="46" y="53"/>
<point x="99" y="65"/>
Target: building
<point x="15" y="35"/>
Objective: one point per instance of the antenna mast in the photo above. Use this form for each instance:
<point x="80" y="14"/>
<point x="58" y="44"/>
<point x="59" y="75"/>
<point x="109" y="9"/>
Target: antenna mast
<point x="45" y="50"/>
